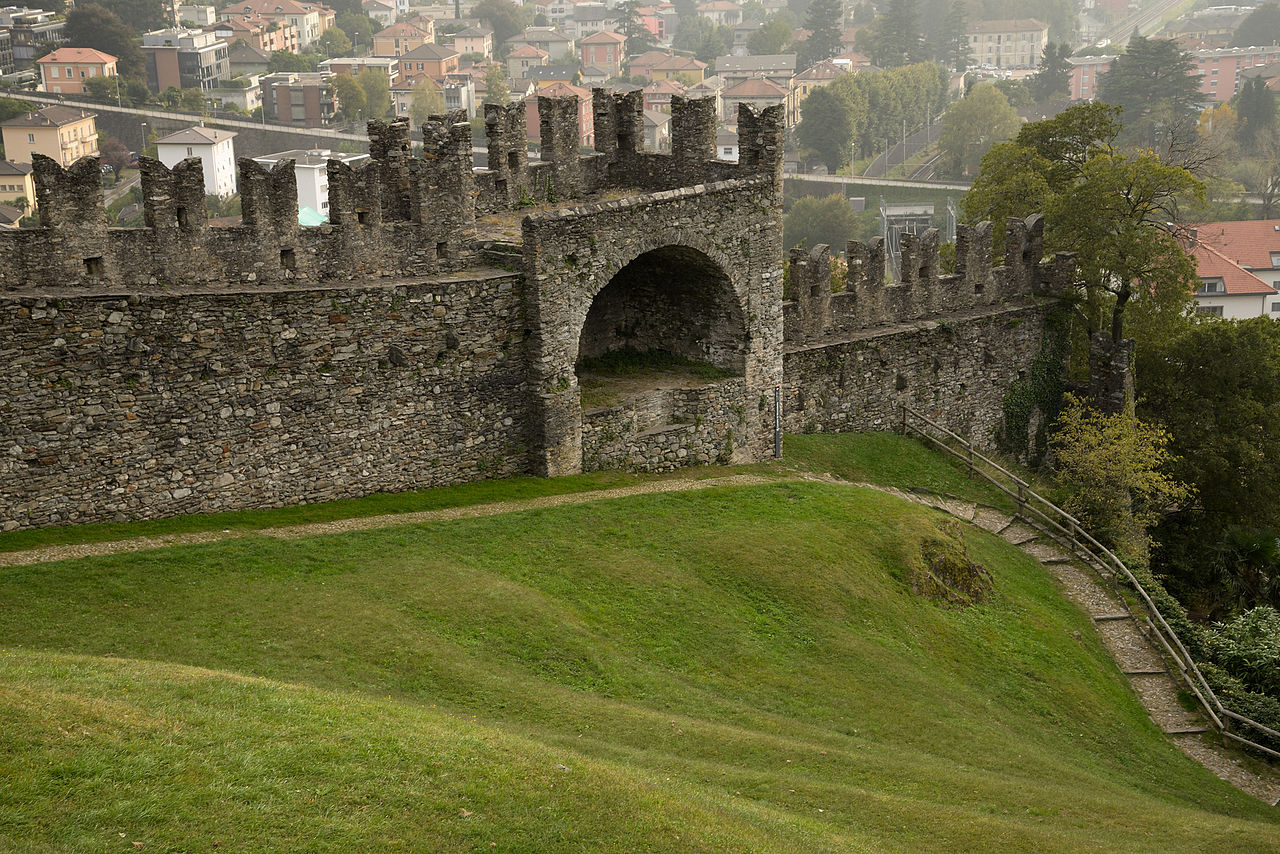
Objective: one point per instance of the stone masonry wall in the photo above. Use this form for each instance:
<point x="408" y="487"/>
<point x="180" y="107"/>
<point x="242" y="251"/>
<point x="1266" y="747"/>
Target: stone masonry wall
<point x="667" y="428"/>
<point x="155" y="404"/>
<point x="955" y="371"/>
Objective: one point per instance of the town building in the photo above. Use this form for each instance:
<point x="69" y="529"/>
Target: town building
<point x="524" y="57"/>
<point x="185" y="59"/>
<point x="657" y="131"/>
<point x="243" y="92"/>
<point x="382" y="12"/>
<point x="310" y="168"/>
<point x="215" y="149"/>
<point x="429" y="60"/>
<point x="603" y="50"/>
<point x="593" y="18"/>
<point x="195" y="16"/>
<point x="777" y="68"/>
<point x="758" y="92"/>
<point x="259" y="32"/>
<point x="300" y="97"/>
<point x="6" y="52"/>
<point x="351" y="66"/>
<point x="244" y="59"/>
<point x="310" y="19"/>
<point x="555" y="43"/>
<point x="722" y="13"/>
<point x="664" y="65"/>
<point x="1016" y="43"/>
<point x="1220" y="71"/>
<point x="586" y="119"/>
<point x="31" y="31"/>
<point x="1227" y="289"/>
<point x="474" y="40"/>
<point x="17" y="187"/>
<point x="64" y="134"/>
<point x="65" y="70"/>
<point x="400" y="38"/>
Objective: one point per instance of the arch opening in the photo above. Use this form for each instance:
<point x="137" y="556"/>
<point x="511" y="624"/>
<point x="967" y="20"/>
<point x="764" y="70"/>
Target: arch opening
<point x="661" y="364"/>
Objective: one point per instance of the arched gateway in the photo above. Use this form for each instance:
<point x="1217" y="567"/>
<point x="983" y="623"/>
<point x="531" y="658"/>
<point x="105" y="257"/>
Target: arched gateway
<point x="689" y="276"/>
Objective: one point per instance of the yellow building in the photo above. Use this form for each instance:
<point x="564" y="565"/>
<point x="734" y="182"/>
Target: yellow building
<point x="63" y="133"/>
<point x="17" y="185"/>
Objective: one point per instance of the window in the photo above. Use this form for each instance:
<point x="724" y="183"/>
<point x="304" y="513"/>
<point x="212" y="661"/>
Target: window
<point x="31" y="137"/>
<point x="188" y="151"/>
<point x="53" y="71"/>
<point x="1275" y="259"/>
<point x="68" y="70"/>
<point x="1275" y="306"/>
<point x="1209" y="310"/>
<point x="1212" y="286"/>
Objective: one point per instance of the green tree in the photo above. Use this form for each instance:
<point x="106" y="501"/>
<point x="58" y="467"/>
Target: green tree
<point x="498" y="91"/>
<point x="814" y="220"/>
<point x="333" y="42"/>
<point x="102" y="88"/>
<point x="1054" y="75"/>
<point x="1112" y="208"/>
<point x="351" y="97"/>
<point x="359" y="28"/>
<point x="825" y="21"/>
<point x="894" y="38"/>
<point x="1256" y="108"/>
<point x="426" y="100"/>
<point x="11" y="108"/>
<point x="1118" y="469"/>
<point x="377" y="95"/>
<point x="1016" y="92"/>
<point x="1261" y="26"/>
<point x="139" y="15"/>
<point x="283" y="60"/>
<point x="639" y="39"/>
<point x="193" y="100"/>
<point x="972" y="125"/>
<point x="828" y="127"/>
<point x="770" y="38"/>
<point x="502" y="16"/>
<point x="95" y="26"/>
<point x="113" y="153"/>
<point x="1153" y="84"/>
<point x="954" y="49"/>
<point x="1215" y="386"/>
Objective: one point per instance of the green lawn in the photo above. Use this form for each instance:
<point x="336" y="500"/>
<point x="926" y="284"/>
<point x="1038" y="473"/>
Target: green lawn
<point x="734" y="669"/>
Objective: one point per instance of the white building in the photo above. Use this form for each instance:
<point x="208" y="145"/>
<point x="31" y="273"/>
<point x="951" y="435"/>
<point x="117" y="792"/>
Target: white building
<point x="215" y="150"/>
<point x="1238" y="265"/>
<point x="311" y="168"/>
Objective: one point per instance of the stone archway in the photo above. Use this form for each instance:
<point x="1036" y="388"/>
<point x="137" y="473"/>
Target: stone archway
<point x="660" y="362"/>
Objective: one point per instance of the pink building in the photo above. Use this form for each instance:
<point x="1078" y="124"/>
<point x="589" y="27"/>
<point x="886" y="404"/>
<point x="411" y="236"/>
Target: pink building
<point x="586" y="120"/>
<point x="1085" y="71"/>
<point x="1219" y="70"/>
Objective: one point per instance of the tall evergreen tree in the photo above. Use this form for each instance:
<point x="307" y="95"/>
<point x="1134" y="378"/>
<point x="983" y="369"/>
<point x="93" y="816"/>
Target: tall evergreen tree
<point x="894" y="38"/>
<point x="954" y="50"/>
<point x="1256" y="107"/>
<point x="824" y="22"/>
<point x="1153" y="85"/>
<point x="1054" y="75"/>
<point x="639" y="39"/>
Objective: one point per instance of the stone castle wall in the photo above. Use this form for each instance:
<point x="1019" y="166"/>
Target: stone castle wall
<point x="186" y="368"/>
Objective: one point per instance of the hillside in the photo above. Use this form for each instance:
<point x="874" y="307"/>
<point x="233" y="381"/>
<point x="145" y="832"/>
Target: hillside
<point x="736" y="669"/>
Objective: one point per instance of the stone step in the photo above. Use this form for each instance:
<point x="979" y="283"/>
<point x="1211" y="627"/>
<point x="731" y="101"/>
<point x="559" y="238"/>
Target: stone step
<point x="1018" y="533"/>
<point x="1146" y="672"/>
<point x="1045" y="552"/>
<point x="1192" y="730"/>
<point x="991" y="520"/>
<point x="1102" y="618"/>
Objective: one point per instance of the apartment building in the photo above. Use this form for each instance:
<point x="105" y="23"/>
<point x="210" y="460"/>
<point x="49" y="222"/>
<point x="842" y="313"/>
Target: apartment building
<point x="64" y="134"/>
<point x="185" y="59"/>
<point x="1015" y="43"/>
<point x="66" y="69"/>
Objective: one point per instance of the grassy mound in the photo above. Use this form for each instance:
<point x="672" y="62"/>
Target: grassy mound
<point x="737" y="669"/>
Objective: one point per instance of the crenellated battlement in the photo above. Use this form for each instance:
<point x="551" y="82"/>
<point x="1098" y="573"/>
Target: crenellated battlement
<point x="814" y="312"/>
<point x="398" y="215"/>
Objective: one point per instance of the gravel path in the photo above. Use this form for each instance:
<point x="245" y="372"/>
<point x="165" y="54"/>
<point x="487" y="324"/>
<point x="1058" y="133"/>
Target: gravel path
<point x="368" y="523"/>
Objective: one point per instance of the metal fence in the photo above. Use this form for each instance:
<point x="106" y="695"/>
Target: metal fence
<point x="1067" y="530"/>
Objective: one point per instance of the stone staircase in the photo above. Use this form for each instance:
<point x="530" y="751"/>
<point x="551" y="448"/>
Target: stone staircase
<point x="1134" y="651"/>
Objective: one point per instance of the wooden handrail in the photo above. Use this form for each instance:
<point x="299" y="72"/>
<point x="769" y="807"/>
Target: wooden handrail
<point x="1081" y="541"/>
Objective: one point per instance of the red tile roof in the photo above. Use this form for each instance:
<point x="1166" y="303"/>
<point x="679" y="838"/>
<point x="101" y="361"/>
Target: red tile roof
<point x="1212" y="264"/>
<point x="77" y="54"/>
<point x="1248" y="243"/>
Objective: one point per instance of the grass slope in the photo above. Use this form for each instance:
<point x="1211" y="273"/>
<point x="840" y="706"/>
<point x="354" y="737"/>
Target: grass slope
<point x="734" y="669"/>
